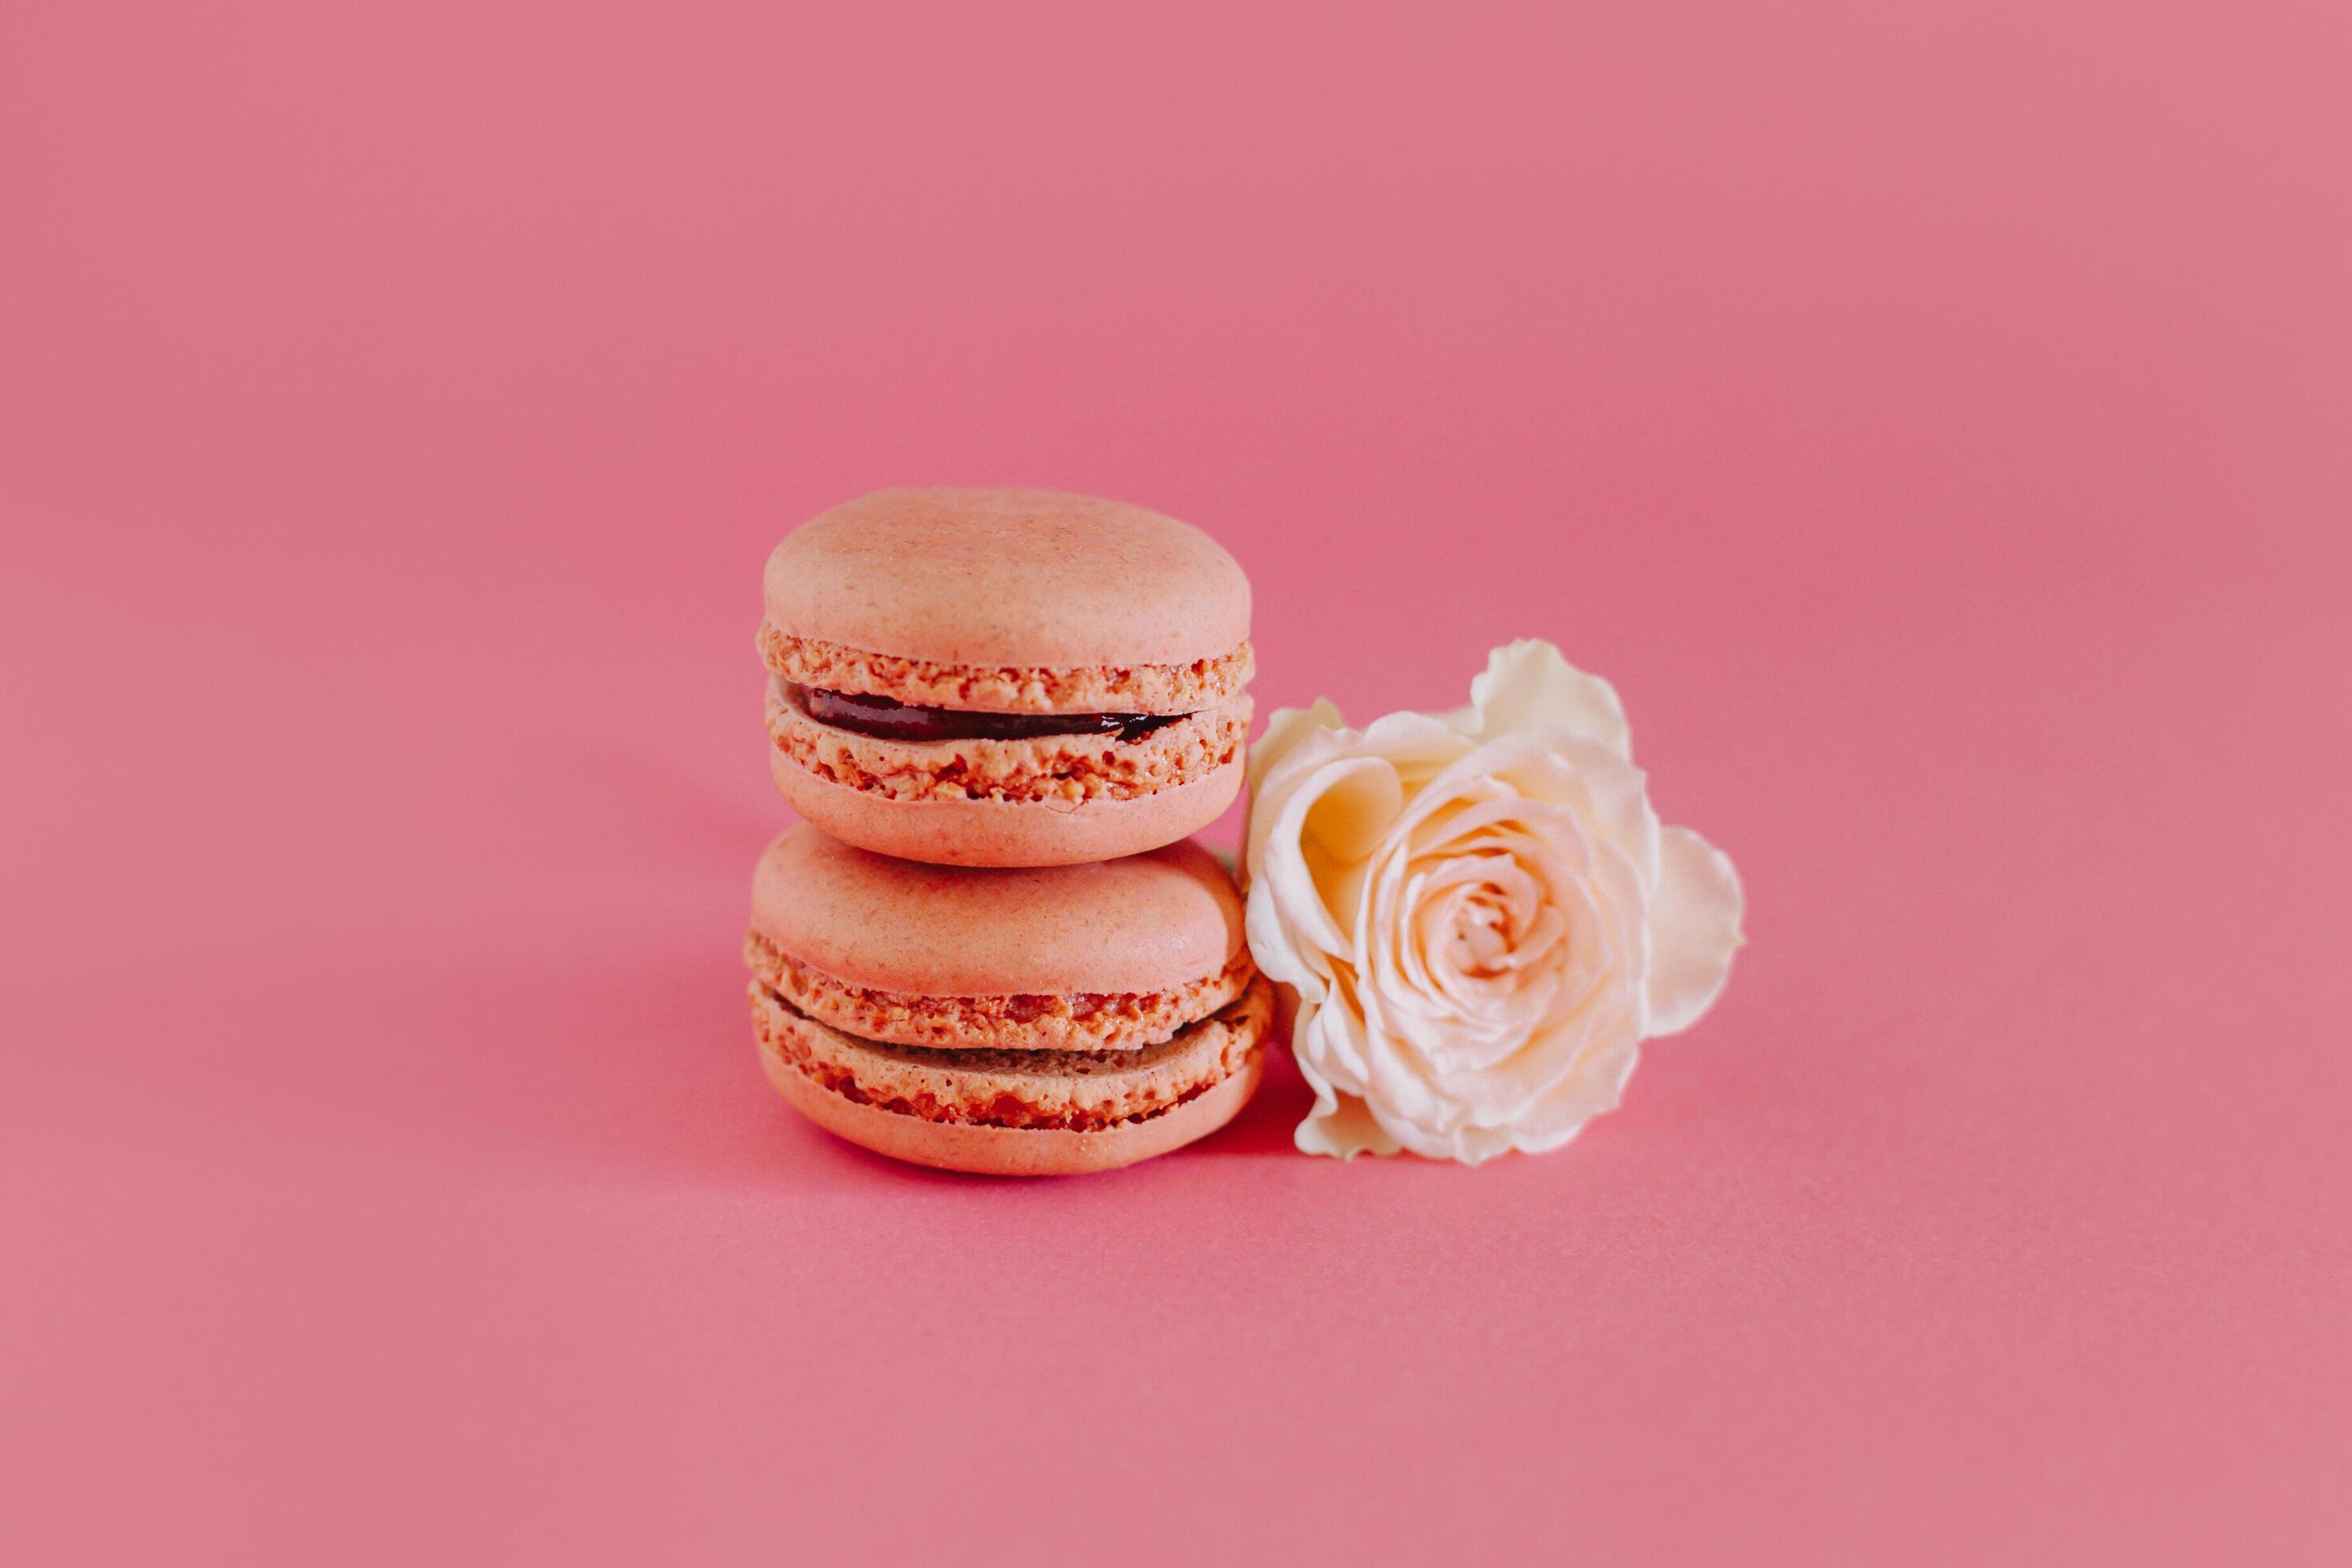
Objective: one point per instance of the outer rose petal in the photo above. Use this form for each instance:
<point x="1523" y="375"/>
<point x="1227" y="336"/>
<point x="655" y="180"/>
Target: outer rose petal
<point x="1340" y="1124"/>
<point x="1336" y="806"/>
<point x="1273" y="872"/>
<point x="1528" y="685"/>
<point x="1285" y="728"/>
<point x="1600" y="1085"/>
<point x="1694" y="930"/>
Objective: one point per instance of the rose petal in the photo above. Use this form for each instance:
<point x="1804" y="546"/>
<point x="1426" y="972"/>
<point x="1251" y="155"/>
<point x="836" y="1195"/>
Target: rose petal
<point x="1294" y="881"/>
<point x="1418" y="746"/>
<point x="1330" y="1039"/>
<point x="1285" y="729"/>
<point x="1694" y="930"/>
<point x="1472" y="1143"/>
<point x="1527" y="685"/>
<point x="1271" y="785"/>
<point x="1597" y="1086"/>
<point x="1343" y="1127"/>
<point x="1355" y="803"/>
<point x="1339" y="1124"/>
<point x="1609" y="794"/>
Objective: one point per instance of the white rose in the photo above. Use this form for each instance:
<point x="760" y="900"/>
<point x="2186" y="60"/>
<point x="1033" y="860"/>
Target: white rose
<point x="1480" y="914"/>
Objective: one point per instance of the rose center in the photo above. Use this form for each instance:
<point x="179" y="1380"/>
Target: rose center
<point x="1483" y="936"/>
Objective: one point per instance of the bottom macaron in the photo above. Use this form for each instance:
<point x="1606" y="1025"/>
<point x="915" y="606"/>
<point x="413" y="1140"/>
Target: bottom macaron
<point x="1016" y="1112"/>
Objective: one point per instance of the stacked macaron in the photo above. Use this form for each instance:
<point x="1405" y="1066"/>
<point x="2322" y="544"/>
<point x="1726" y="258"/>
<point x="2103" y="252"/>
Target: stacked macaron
<point x="992" y="949"/>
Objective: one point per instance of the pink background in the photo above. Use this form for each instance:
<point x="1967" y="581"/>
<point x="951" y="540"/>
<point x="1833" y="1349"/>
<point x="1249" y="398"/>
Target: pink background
<point x="1936" y="424"/>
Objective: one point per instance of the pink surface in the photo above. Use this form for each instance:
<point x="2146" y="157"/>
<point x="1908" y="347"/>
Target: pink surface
<point x="1935" y="424"/>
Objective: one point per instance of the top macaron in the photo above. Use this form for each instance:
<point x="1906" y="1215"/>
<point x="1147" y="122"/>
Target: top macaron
<point x="1005" y="678"/>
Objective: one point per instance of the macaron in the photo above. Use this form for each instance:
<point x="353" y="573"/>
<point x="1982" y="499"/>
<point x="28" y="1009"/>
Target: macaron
<point x="1033" y="1021"/>
<point x="1005" y="678"/>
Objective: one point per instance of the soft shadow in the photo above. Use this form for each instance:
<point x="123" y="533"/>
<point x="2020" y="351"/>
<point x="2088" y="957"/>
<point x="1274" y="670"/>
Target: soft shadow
<point x="1267" y="1122"/>
<point x="651" y="1070"/>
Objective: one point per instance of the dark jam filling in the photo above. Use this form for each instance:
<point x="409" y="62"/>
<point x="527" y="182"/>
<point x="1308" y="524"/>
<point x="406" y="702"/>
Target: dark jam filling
<point x="887" y="721"/>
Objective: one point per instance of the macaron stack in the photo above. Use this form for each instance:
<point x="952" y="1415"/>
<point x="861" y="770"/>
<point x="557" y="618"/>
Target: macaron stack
<point x="993" y="947"/>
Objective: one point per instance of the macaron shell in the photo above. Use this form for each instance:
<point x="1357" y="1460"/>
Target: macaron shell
<point x="1009" y="1150"/>
<point x="1000" y="833"/>
<point x="1165" y="919"/>
<point x="1008" y="577"/>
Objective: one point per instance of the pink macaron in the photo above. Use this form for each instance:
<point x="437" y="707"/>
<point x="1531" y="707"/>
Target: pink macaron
<point x="1005" y="678"/>
<point x="1041" y="1021"/>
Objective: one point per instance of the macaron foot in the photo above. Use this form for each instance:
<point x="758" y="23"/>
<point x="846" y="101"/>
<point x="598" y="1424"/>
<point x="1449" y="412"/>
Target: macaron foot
<point x="1016" y="1112"/>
